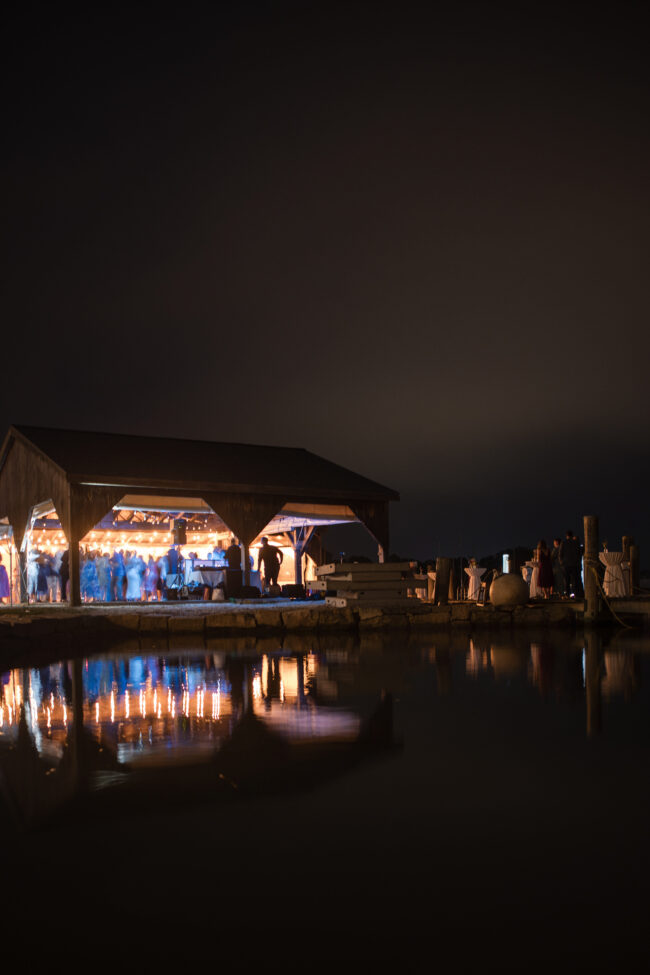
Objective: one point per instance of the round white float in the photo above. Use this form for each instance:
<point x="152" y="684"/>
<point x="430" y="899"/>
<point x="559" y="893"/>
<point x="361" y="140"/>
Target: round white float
<point x="509" y="590"/>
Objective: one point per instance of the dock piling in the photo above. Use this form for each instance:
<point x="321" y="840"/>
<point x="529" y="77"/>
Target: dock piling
<point x="635" y="574"/>
<point x="592" y="598"/>
<point x="443" y="576"/>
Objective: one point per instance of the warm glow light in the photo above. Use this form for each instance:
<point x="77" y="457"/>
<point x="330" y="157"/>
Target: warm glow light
<point x="127" y="705"/>
<point x="112" y="706"/>
<point x="97" y="712"/>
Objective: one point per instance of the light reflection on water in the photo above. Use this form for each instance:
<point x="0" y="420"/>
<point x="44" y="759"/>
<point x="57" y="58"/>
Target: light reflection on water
<point x="169" y="709"/>
<point x="132" y="702"/>
<point x="498" y="807"/>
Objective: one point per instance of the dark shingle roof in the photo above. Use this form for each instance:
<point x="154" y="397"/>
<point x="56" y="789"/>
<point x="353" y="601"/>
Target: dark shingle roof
<point x="160" y="461"/>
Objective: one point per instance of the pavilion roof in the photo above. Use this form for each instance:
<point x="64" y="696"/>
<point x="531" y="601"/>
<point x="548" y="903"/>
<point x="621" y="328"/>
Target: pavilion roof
<point x="110" y="458"/>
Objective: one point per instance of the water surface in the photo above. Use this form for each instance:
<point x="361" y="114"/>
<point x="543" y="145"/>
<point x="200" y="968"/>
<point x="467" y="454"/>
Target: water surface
<point x="489" y="793"/>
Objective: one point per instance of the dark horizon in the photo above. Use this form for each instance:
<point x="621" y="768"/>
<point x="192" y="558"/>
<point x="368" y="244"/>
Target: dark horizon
<point x="412" y="243"/>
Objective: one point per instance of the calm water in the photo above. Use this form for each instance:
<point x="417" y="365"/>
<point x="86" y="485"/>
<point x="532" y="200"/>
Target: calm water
<point x="481" y="796"/>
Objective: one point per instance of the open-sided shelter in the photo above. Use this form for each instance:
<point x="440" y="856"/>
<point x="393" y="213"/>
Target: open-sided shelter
<point x="248" y="490"/>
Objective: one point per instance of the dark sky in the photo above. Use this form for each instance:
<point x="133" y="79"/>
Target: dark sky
<point x="413" y="242"/>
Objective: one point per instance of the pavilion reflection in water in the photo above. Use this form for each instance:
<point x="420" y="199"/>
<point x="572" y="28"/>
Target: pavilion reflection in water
<point x="138" y="706"/>
<point x="256" y="718"/>
<point x="184" y="724"/>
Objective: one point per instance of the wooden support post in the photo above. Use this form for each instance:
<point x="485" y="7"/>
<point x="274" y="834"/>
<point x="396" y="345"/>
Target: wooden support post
<point x="297" y="565"/>
<point x="635" y="573"/>
<point x="299" y="540"/>
<point x="626" y="541"/>
<point x="22" y="577"/>
<point x="592" y="597"/>
<point x="381" y="555"/>
<point x="245" y="564"/>
<point x="74" y="567"/>
<point x="443" y="573"/>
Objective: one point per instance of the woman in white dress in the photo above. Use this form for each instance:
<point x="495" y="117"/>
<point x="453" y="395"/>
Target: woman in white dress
<point x="134" y="574"/>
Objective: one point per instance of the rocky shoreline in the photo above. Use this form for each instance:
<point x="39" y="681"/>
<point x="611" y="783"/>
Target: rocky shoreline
<point x="250" y="619"/>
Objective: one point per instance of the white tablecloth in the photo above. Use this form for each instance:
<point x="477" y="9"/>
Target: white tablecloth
<point x="431" y="586"/>
<point x="205" y="577"/>
<point x="475" y="572"/>
<point x="627" y="577"/>
<point x="613" y="583"/>
<point x="212" y="577"/>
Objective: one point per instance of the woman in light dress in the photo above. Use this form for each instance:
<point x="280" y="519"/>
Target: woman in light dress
<point x="151" y="579"/>
<point x="134" y="574"/>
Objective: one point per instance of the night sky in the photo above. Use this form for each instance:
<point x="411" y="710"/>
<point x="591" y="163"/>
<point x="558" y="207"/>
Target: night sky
<point x="413" y="242"/>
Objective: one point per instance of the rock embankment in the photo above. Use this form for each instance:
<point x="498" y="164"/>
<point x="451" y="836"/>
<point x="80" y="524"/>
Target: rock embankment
<point x="253" y="619"/>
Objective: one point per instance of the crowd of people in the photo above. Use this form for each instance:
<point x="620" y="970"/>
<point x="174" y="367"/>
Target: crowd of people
<point x="125" y="575"/>
<point x="557" y="571"/>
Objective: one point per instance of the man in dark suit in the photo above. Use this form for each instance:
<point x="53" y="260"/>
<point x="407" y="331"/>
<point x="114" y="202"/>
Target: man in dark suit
<point x="271" y="558"/>
<point x="233" y="572"/>
<point x="571" y="562"/>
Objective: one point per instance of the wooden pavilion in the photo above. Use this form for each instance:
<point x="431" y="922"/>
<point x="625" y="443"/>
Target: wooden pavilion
<point x="252" y="489"/>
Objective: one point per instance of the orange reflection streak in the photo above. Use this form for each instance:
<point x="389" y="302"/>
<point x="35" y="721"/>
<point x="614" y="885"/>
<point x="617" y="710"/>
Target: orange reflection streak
<point x="2" y="717"/>
<point x="49" y="718"/>
<point x="169" y="699"/>
<point x="155" y="700"/>
<point x="97" y="712"/>
<point x="127" y="705"/>
<point x="65" y="714"/>
<point x="142" y="704"/>
<point x="112" y="706"/>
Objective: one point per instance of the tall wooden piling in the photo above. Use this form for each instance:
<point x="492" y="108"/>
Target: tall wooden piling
<point x="635" y="573"/>
<point x="443" y="573"/>
<point x="592" y="598"/>
<point x="626" y="541"/>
